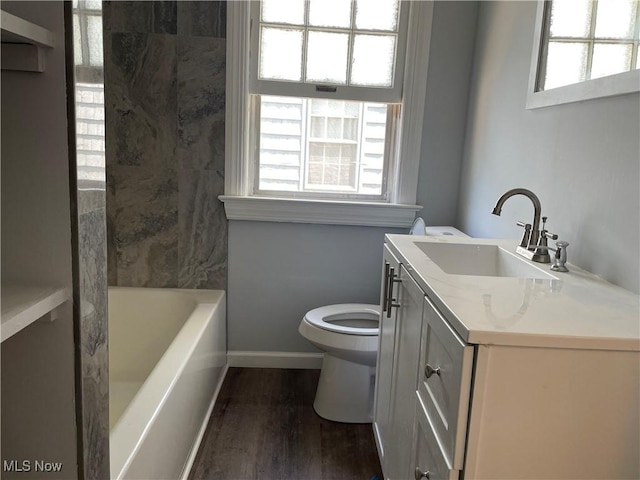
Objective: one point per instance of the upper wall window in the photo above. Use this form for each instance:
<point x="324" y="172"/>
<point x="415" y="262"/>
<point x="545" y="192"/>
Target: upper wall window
<point x="326" y="84"/>
<point x="590" y="39"/>
<point x="584" y="49"/>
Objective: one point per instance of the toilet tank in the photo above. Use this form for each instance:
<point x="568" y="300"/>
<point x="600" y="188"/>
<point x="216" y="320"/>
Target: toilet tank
<point x="420" y="228"/>
<point x="449" y="231"/>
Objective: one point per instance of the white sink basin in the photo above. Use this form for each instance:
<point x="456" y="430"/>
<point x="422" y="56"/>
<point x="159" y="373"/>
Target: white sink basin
<point x="481" y="260"/>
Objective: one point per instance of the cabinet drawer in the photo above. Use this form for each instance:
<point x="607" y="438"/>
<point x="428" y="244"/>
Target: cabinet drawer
<point x="428" y="457"/>
<point x="444" y="382"/>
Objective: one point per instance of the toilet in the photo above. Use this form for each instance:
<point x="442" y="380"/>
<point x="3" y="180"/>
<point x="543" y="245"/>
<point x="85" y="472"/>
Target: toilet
<point x="348" y="334"/>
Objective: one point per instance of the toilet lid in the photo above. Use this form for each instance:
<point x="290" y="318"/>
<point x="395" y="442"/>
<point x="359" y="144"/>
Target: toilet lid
<point x="348" y="318"/>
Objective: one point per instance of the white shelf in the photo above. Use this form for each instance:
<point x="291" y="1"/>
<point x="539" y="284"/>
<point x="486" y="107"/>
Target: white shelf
<point x="23" y="43"/>
<point x="22" y="305"/>
<point x="19" y="30"/>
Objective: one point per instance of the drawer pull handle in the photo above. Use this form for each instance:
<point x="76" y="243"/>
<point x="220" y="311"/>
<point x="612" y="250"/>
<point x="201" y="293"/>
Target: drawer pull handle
<point x="429" y="371"/>
<point x="391" y="279"/>
<point x="420" y="474"/>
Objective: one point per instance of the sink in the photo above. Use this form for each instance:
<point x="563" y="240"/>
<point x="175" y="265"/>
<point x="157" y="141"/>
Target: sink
<point x="481" y="260"/>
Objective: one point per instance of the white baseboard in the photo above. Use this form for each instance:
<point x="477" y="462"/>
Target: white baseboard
<point x="240" y="358"/>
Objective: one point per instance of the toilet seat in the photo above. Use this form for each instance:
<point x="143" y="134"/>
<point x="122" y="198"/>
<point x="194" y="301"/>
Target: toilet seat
<point x="325" y="318"/>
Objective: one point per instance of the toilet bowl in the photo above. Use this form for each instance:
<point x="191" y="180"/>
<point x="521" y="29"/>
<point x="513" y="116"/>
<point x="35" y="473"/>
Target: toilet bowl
<point x="348" y="335"/>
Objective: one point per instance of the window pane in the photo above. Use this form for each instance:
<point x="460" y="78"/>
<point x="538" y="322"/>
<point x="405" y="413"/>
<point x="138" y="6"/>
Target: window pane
<point x="283" y="11"/>
<point x="373" y="59"/>
<point x="566" y="64"/>
<point x="330" y="13"/>
<point x="610" y="58"/>
<point x="93" y="4"/>
<point x="77" y="40"/>
<point x="94" y="34"/>
<point x="327" y="57"/>
<point x="571" y="18"/>
<point x="277" y="44"/>
<point x="350" y="129"/>
<point x="336" y="108"/>
<point x="332" y="165"/>
<point x="377" y="15"/>
<point x="318" y="127"/>
<point x="616" y="18"/>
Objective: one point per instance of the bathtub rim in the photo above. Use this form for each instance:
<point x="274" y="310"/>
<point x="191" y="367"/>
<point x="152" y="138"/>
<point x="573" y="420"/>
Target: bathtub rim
<point x="131" y="431"/>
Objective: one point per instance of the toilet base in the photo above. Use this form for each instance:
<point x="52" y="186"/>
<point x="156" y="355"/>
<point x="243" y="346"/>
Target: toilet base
<point x="345" y="391"/>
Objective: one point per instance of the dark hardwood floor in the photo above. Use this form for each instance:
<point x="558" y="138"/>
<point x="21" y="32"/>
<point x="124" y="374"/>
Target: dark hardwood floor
<point x="263" y="426"/>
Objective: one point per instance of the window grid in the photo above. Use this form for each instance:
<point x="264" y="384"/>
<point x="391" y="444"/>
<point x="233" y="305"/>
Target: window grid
<point x="591" y="40"/>
<point x="351" y="32"/>
<point x="275" y="177"/>
<point x="341" y="143"/>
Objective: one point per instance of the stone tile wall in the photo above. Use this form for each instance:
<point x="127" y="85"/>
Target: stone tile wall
<point x="165" y="94"/>
<point x="92" y="270"/>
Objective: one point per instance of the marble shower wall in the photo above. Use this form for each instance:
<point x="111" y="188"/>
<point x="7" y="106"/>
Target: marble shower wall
<point x="91" y="296"/>
<point x="94" y="352"/>
<point x="165" y="97"/>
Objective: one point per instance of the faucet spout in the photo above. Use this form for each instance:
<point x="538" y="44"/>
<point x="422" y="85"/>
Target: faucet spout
<point x="537" y="209"/>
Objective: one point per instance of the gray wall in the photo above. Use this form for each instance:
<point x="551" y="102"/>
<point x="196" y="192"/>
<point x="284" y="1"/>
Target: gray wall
<point x="450" y="64"/>
<point x="165" y="84"/>
<point x="278" y="271"/>
<point x="581" y="159"/>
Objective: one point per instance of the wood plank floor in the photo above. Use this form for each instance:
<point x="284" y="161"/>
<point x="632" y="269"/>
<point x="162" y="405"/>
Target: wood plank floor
<point x="263" y="426"/>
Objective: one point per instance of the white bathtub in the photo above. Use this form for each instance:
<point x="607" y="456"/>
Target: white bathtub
<point x="167" y="360"/>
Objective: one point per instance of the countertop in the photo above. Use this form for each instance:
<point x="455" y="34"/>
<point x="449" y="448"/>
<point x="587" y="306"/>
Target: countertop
<point x="575" y="309"/>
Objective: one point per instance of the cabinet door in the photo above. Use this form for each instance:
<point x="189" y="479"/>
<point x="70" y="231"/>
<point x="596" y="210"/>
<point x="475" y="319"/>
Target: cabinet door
<point x="445" y="381"/>
<point x="405" y="374"/>
<point x="396" y="379"/>
<point x="386" y="349"/>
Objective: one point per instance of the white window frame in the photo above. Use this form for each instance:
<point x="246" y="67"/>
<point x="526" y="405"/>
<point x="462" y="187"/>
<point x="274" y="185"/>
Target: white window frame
<point x="398" y="211"/>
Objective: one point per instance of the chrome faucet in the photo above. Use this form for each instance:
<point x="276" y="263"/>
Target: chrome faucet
<point x="534" y="242"/>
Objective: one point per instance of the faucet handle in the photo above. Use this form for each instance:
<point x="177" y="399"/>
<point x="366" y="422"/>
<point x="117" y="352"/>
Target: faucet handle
<point x="551" y="236"/>
<point x="560" y="257"/>
<point x="527" y="234"/>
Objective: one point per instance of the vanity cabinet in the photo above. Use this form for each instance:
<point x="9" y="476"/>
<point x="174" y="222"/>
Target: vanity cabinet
<point x="519" y="405"/>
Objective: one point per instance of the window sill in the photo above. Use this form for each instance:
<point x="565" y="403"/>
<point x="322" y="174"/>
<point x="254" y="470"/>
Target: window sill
<point x="327" y="212"/>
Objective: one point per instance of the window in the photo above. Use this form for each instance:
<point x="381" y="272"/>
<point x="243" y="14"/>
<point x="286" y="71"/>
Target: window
<point x="316" y="138"/>
<point x="89" y="90"/>
<point x="590" y="39"/>
<point x="323" y="95"/>
<point x="584" y="49"/>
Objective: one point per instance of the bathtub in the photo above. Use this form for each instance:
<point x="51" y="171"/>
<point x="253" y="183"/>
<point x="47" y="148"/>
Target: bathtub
<point x="167" y="360"/>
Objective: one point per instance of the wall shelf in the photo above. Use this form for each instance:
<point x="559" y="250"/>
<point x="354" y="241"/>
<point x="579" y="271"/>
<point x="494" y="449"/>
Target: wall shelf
<point x="23" y="43"/>
<point x="22" y="305"/>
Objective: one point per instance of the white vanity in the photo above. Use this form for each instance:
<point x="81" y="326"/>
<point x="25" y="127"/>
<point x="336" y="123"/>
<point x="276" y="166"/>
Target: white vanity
<point x="492" y="366"/>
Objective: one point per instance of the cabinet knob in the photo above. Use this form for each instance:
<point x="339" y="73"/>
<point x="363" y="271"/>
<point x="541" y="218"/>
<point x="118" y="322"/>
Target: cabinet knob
<point x="420" y="474"/>
<point x="429" y="371"/>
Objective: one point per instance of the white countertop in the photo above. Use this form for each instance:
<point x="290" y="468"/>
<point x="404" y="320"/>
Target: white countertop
<point x="575" y="310"/>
